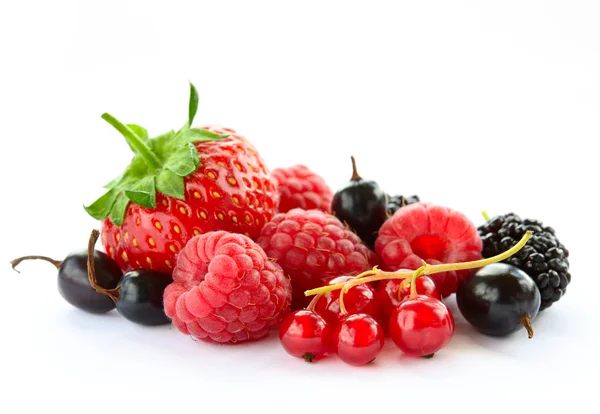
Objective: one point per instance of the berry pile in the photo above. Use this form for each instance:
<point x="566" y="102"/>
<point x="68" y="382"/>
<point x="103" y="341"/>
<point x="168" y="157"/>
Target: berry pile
<point x="199" y="233"/>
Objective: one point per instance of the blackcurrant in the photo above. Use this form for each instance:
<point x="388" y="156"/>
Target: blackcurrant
<point x="140" y="297"/>
<point x="362" y="205"/>
<point x="139" y="294"/>
<point x="73" y="282"/>
<point x="499" y="299"/>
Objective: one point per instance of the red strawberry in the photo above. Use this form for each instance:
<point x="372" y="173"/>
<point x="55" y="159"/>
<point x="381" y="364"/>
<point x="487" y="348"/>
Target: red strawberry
<point x="178" y="185"/>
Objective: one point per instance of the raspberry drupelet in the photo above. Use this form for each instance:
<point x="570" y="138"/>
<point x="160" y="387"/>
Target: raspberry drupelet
<point x="226" y="289"/>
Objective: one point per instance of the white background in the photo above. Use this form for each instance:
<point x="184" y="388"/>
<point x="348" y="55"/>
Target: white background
<point x="473" y="105"/>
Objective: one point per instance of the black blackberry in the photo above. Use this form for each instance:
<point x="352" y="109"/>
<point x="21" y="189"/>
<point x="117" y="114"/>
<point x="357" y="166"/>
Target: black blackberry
<point x="396" y="202"/>
<point x="544" y="258"/>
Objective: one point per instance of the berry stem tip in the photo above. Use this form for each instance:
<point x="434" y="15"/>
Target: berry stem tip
<point x="355" y="176"/>
<point x="526" y="322"/>
<point x="14" y="263"/>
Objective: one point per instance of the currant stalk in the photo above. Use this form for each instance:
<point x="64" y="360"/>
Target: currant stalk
<point x="427" y="269"/>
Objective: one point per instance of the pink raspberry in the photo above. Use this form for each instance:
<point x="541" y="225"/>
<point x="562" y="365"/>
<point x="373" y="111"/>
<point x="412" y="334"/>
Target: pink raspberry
<point x="299" y="187"/>
<point x="313" y="247"/>
<point x="225" y="289"/>
<point x="433" y="233"/>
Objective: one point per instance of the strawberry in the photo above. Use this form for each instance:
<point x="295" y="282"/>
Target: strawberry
<point x="178" y="185"/>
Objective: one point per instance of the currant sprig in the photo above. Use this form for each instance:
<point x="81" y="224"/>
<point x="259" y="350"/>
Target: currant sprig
<point x="427" y="269"/>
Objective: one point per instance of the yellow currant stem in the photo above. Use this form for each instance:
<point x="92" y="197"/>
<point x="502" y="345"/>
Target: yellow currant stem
<point x="329" y="288"/>
<point x="479" y="263"/>
<point x="485" y="215"/>
<point x="343" y="310"/>
<point x="377" y="275"/>
<point x="346" y="286"/>
<point x="404" y="283"/>
<point x="413" y="281"/>
<point x="313" y="302"/>
<point x="426" y="269"/>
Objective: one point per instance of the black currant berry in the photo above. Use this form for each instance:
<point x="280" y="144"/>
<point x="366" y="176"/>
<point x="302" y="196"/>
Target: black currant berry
<point x="141" y="297"/>
<point x="73" y="282"/>
<point x="362" y="205"/>
<point x="499" y="299"/>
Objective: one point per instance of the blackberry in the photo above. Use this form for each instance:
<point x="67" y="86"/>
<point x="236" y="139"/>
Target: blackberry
<point x="396" y="202"/>
<point x="544" y="258"/>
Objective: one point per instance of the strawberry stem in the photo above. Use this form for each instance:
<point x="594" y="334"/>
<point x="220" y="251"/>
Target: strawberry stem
<point x="134" y="141"/>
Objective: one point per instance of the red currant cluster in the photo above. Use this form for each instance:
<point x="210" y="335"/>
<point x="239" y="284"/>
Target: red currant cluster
<point x="351" y="315"/>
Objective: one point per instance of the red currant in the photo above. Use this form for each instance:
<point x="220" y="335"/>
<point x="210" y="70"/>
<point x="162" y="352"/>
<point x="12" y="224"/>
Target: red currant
<point x="358" y="339"/>
<point x="421" y="326"/>
<point x="304" y="334"/>
<point x="388" y="297"/>
<point x="358" y="299"/>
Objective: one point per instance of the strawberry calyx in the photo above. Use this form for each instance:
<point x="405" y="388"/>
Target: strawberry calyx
<point x="159" y="164"/>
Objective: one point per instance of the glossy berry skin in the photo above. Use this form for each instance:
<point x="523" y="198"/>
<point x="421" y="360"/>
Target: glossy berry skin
<point x="362" y="204"/>
<point x="358" y="299"/>
<point x="497" y="298"/>
<point x="358" y="339"/>
<point x="141" y="297"/>
<point x="74" y="285"/>
<point x="231" y="190"/>
<point x="313" y="247"/>
<point x="433" y="233"/>
<point x="304" y="334"/>
<point x="391" y="292"/>
<point x="226" y="290"/>
<point x="421" y="326"/>
<point x="300" y="187"/>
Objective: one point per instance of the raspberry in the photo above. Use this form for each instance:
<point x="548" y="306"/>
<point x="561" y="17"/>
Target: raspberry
<point x="313" y="247"/>
<point x="226" y="289"/>
<point x="436" y="234"/>
<point x="299" y="187"/>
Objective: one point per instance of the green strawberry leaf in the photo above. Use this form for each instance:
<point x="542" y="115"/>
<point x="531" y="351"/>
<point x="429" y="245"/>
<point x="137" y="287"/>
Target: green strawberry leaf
<point x="114" y="182"/>
<point x="171" y="184"/>
<point x="184" y="161"/>
<point x="193" y="104"/>
<point x="100" y="208"/>
<point x="163" y="145"/>
<point x="117" y="214"/>
<point x="198" y="135"/>
<point x="143" y="192"/>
